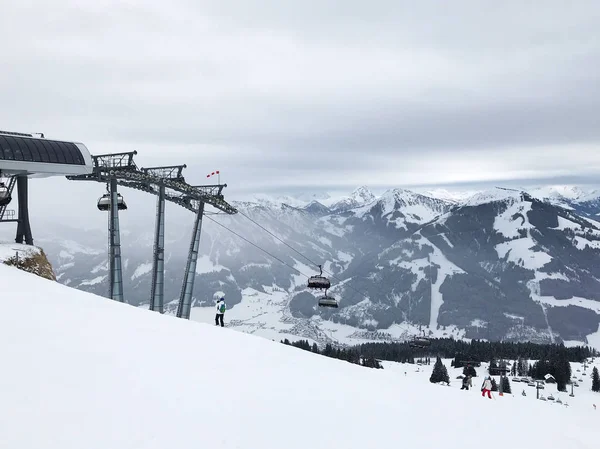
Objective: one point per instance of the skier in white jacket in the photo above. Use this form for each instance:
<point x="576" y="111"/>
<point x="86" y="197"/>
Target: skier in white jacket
<point x="487" y="386"/>
<point x="220" y="311"/>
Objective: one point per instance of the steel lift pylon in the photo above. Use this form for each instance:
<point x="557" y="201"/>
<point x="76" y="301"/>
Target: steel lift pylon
<point x="157" y="292"/>
<point x="23" y="225"/>
<point x="115" y="276"/>
<point x="169" y="185"/>
<point x="187" y="289"/>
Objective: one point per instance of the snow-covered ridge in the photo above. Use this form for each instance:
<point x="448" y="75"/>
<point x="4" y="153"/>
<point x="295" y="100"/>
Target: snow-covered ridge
<point x="565" y="192"/>
<point x="493" y="195"/>
<point x="362" y="196"/>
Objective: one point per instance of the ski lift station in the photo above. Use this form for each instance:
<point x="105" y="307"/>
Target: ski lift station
<point x="24" y="156"/>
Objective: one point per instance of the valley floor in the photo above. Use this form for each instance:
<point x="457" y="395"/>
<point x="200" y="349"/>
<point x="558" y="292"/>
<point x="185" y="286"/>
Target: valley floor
<point x="266" y="314"/>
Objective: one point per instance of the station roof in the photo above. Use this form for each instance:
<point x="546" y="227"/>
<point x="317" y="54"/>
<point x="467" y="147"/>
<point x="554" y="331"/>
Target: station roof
<point x="25" y="154"/>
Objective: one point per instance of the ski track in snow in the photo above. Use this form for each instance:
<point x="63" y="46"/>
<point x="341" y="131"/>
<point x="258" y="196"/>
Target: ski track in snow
<point x="446" y="269"/>
<point x="534" y="288"/>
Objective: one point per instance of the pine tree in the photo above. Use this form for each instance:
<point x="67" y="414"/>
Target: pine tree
<point x="506" y="385"/>
<point x="595" y="380"/>
<point x="513" y="370"/>
<point x="494" y="385"/>
<point x="493" y="367"/>
<point x="469" y="370"/>
<point x="522" y="367"/>
<point x="439" y="373"/>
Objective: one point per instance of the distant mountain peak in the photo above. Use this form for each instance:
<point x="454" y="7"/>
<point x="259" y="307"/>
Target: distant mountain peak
<point x="565" y="193"/>
<point x="317" y="208"/>
<point x="494" y="195"/>
<point x="363" y="194"/>
<point x="359" y="197"/>
<point x="451" y="196"/>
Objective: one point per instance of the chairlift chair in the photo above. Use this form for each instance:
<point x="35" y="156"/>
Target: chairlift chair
<point x="328" y="301"/>
<point x="5" y="197"/>
<point x="104" y="202"/>
<point x="420" y="342"/>
<point x="319" y="281"/>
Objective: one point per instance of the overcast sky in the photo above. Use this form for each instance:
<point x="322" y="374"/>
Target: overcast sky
<point x="294" y="95"/>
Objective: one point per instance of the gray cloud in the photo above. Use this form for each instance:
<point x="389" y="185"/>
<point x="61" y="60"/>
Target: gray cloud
<point x="291" y="95"/>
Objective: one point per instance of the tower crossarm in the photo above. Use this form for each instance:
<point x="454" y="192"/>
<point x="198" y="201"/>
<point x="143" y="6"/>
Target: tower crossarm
<point x="114" y="161"/>
<point x="167" y="172"/>
<point x="121" y="166"/>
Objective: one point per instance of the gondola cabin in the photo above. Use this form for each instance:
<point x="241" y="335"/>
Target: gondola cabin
<point x="104" y="202"/>
<point x="5" y="197"/>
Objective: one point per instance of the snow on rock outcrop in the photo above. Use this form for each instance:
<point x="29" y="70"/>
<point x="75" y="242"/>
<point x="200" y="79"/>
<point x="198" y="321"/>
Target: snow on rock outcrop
<point x="87" y="372"/>
<point x="27" y="258"/>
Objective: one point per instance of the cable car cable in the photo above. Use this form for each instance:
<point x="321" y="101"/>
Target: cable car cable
<point x="405" y="326"/>
<point x="312" y="261"/>
<point x="255" y="245"/>
<point x="364" y="295"/>
<point x="420" y="228"/>
<point x="274" y="236"/>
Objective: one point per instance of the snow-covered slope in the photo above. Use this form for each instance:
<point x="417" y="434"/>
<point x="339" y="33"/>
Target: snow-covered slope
<point x="563" y="192"/>
<point x="82" y="371"/>
<point x="585" y="201"/>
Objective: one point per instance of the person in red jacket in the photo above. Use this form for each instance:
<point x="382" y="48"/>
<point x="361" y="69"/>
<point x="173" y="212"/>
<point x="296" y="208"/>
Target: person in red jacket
<point x="487" y="386"/>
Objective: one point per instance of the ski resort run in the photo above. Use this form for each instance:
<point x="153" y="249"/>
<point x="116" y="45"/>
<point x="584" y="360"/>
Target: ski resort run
<point x="109" y="369"/>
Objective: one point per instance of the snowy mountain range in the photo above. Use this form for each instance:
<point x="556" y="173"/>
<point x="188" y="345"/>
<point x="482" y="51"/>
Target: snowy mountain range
<point x="495" y="264"/>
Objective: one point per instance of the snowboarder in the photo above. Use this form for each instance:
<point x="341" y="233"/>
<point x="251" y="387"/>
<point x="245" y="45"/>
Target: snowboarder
<point x="220" y="311"/>
<point x="487" y="386"/>
<point x="523" y="393"/>
<point x="465" y="383"/>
